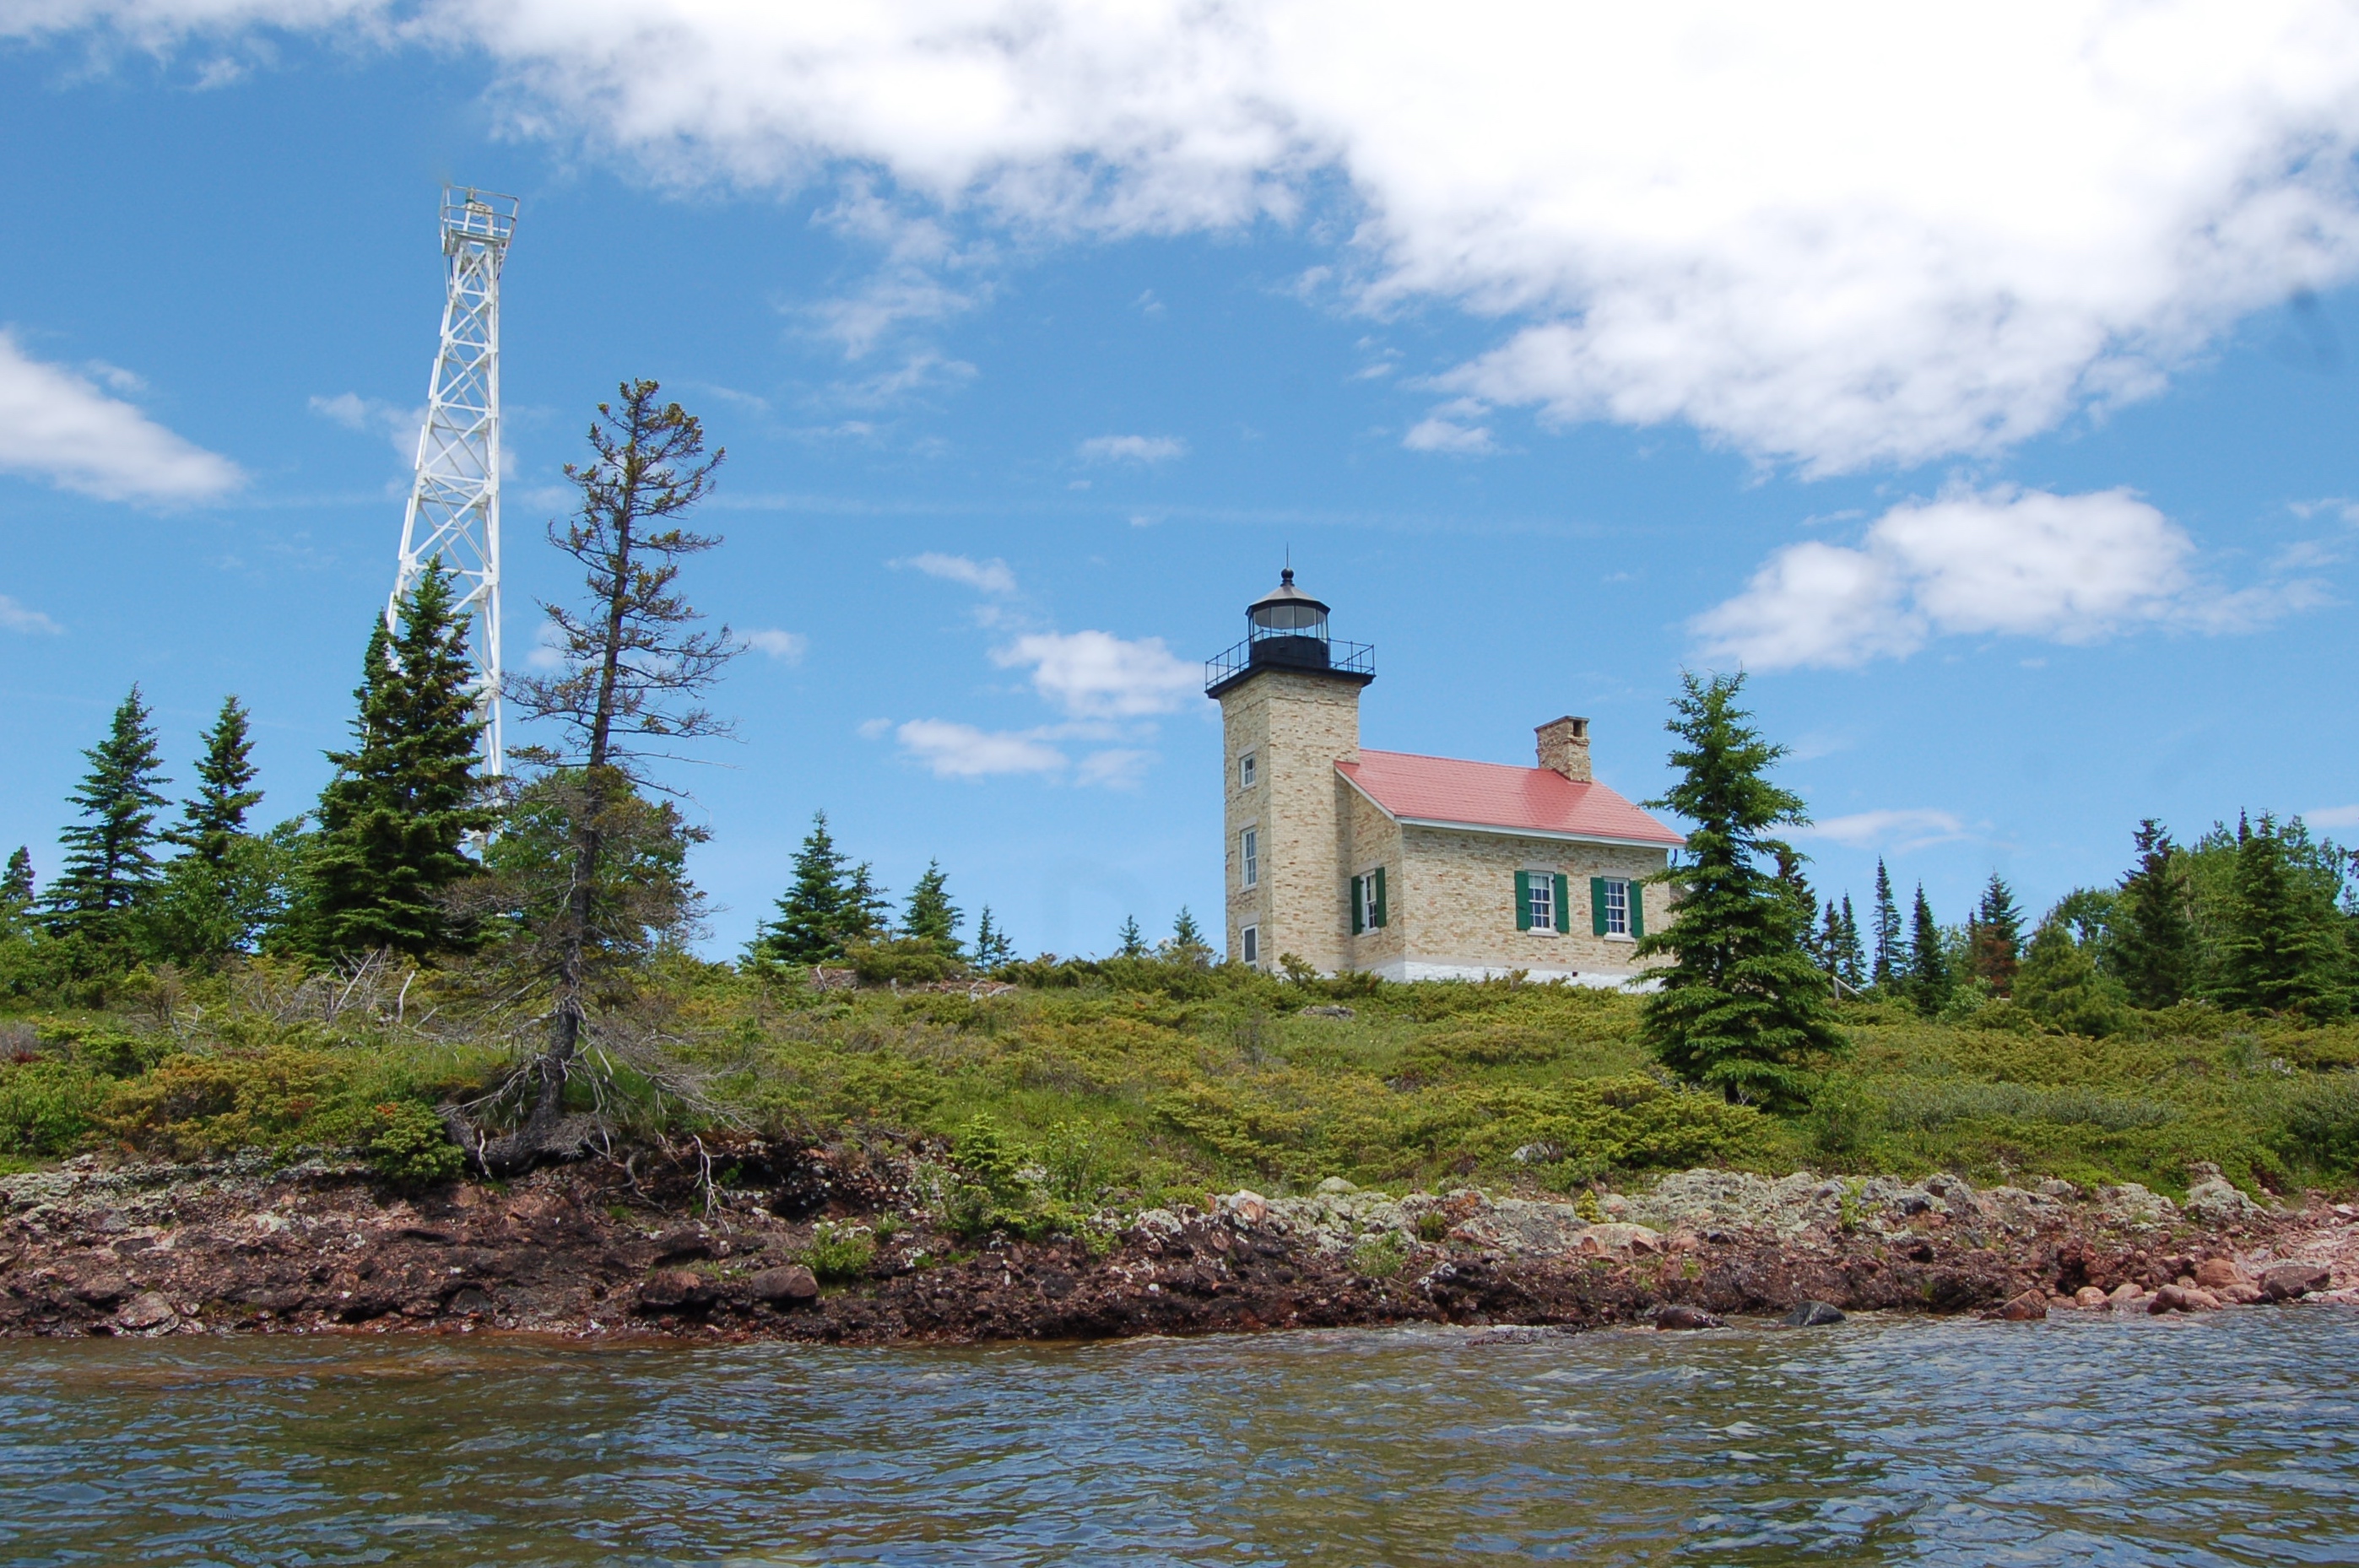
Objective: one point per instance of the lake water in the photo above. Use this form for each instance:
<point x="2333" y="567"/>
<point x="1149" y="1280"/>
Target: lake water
<point x="2229" y="1439"/>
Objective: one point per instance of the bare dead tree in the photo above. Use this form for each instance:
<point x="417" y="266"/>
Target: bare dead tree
<point x="628" y="693"/>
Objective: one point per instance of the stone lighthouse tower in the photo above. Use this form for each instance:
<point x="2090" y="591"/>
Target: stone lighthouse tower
<point x="1289" y="700"/>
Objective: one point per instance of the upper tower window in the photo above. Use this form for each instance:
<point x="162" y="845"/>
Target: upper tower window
<point x="1248" y="771"/>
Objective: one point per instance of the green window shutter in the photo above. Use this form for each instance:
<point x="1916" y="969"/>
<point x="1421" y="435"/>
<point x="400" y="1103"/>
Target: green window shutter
<point x="1355" y="906"/>
<point x="1523" y="901"/>
<point x="1597" y="906"/>
<point x="1563" y="904"/>
<point x="1638" y="911"/>
<point x="1379" y="899"/>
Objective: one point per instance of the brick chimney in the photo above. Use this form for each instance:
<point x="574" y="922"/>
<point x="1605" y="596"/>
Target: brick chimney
<point x="1564" y="746"/>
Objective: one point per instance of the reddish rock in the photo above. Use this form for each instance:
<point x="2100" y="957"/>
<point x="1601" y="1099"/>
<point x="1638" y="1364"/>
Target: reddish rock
<point x="2089" y="1298"/>
<point x="147" y="1311"/>
<point x="2030" y="1307"/>
<point x="667" y="1290"/>
<point x="782" y="1287"/>
<point x="2126" y="1294"/>
<point x="2220" y="1274"/>
<point x="673" y="1246"/>
<point x="2285" y="1281"/>
<point x="1679" y="1315"/>
<point x="2183" y="1299"/>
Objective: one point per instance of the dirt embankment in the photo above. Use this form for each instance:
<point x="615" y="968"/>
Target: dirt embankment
<point x="653" y="1243"/>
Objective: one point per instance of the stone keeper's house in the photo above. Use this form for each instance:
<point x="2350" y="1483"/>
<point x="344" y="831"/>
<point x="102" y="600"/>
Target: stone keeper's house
<point x="1414" y="867"/>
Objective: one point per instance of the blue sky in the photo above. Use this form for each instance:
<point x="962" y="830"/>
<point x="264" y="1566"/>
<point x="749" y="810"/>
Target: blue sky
<point x="1998" y="419"/>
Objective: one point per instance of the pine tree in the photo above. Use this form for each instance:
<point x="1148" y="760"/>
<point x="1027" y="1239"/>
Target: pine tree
<point x="1995" y="945"/>
<point x="2060" y="984"/>
<point x="225" y="792"/>
<point x="1891" y="960"/>
<point x="2281" y="944"/>
<point x="1742" y="1009"/>
<point x="1927" y="980"/>
<point x="992" y="947"/>
<point x="109" y="857"/>
<point x="930" y="916"/>
<point x="407" y="796"/>
<point x="17" y="884"/>
<point x="829" y="904"/>
<point x="2151" y="945"/>
<point x="1187" y="943"/>
<point x="1826" y="947"/>
<point x="1132" y="942"/>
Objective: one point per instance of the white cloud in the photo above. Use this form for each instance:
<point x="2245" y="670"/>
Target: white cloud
<point x="984" y="576"/>
<point x="2072" y="568"/>
<point x="1439" y="434"/>
<point x="1745" y="218"/>
<point x="1902" y="830"/>
<point x="1133" y="449"/>
<point x="962" y="751"/>
<point x="1115" y="769"/>
<point x="56" y="424"/>
<point x="17" y="618"/>
<point x="1096" y="675"/>
<point x="2333" y="817"/>
<point x="789" y="646"/>
<point x="354" y="412"/>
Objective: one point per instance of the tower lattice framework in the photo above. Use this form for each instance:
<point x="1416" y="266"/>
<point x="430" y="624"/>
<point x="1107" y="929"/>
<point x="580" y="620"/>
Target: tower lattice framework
<point x="453" y="515"/>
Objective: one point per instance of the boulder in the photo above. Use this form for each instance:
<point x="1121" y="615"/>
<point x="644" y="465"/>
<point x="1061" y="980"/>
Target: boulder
<point x="667" y="1290"/>
<point x="2287" y="1281"/>
<point x="2221" y="1273"/>
<point x="1812" y="1314"/>
<point x="2183" y="1299"/>
<point x="1679" y="1315"/>
<point x="783" y="1286"/>
<point x="2214" y="1200"/>
<point x="102" y="1290"/>
<point x="1249" y="1207"/>
<point x="2089" y="1298"/>
<point x="1617" y="1239"/>
<point x="673" y="1246"/>
<point x="2126" y="1294"/>
<point x="2030" y="1307"/>
<point x="147" y="1310"/>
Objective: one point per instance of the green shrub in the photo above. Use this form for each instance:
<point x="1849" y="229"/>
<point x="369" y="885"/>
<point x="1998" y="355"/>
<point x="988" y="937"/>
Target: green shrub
<point x="411" y="1148"/>
<point x="839" y="1254"/>
<point x="49" y="1106"/>
<point x="2320" y="1126"/>
<point x="1380" y="1257"/>
<point x="909" y="961"/>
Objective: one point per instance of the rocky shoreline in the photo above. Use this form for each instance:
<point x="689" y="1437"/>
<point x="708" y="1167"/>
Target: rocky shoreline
<point x="703" y="1244"/>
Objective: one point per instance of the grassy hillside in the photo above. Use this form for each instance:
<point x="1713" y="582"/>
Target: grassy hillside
<point x="1137" y="1082"/>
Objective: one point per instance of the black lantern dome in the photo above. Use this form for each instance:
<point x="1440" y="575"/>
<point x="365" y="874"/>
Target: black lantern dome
<point x="1286" y="628"/>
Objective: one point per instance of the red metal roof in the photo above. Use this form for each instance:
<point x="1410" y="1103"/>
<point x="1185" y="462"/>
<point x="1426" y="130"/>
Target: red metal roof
<point x="1498" y="796"/>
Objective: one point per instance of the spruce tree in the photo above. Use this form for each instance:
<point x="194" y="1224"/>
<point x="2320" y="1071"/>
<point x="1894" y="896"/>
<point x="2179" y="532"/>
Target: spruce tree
<point x="407" y="795"/>
<point x="1826" y="947"/>
<point x="2060" y="984"/>
<point x="1928" y="982"/>
<point x="931" y="917"/>
<point x="1187" y="943"/>
<point x="818" y="911"/>
<point x="1850" y="964"/>
<point x="1995" y="945"/>
<point x="992" y="947"/>
<point x="2151" y="944"/>
<point x="1891" y="960"/>
<point x="110" y="859"/>
<point x="225" y="773"/>
<point x="2281" y="946"/>
<point x="1742" y="1008"/>
<point x="17" y="884"/>
<point x="1131" y="942"/>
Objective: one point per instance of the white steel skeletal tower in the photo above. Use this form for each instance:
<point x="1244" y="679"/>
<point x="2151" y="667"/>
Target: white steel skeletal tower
<point x="454" y="502"/>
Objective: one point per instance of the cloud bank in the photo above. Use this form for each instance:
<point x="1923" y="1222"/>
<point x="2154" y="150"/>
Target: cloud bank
<point x="57" y="425"/>
<point x="1836" y="237"/>
<point x="1096" y="675"/>
<point x="2004" y="561"/>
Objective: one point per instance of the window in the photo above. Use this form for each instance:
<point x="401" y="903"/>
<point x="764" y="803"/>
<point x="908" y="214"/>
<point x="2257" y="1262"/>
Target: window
<point x="1249" y="855"/>
<point x="1248" y="770"/>
<point x="1249" y="942"/>
<point x="1541" y="896"/>
<point x="1617" y="906"/>
<point x="1368" y="902"/>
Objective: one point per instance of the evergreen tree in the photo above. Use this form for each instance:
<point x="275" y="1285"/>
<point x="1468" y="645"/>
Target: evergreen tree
<point x="2151" y="944"/>
<point x="1928" y="980"/>
<point x="407" y="796"/>
<point x="1742" y="1008"/>
<point x="109" y="856"/>
<point x="2281" y="944"/>
<point x="1891" y="960"/>
<point x="930" y="916"/>
<point x="1994" y="938"/>
<point x="17" y="884"/>
<point x="992" y="947"/>
<point x="225" y="792"/>
<point x="2060" y="984"/>
<point x="1187" y="943"/>
<point x="830" y="904"/>
<point x="1132" y="943"/>
<point x="1851" y="963"/>
<point x="1826" y="945"/>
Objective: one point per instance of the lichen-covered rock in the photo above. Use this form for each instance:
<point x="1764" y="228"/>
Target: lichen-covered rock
<point x="2214" y="1200"/>
<point x="2132" y="1207"/>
